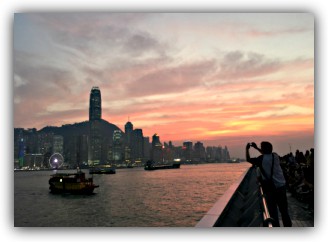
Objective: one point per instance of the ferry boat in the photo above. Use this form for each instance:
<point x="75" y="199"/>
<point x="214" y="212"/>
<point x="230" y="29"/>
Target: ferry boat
<point x="149" y="166"/>
<point x="74" y="183"/>
<point x="102" y="169"/>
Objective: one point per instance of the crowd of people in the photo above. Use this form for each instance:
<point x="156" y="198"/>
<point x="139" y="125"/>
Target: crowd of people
<point x="281" y="174"/>
<point x="298" y="170"/>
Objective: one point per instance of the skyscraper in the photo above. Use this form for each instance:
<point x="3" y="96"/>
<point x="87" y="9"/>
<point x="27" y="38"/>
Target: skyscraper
<point x="128" y="133"/>
<point x="188" y="151"/>
<point x="58" y="144"/>
<point x="137" y="144"/>
<point x="199" y="152"/>
<point x="95" y="134"/>
<point x="117" y="152"/>
<point x="156" y="150"/>
<point x="95" y="104"/>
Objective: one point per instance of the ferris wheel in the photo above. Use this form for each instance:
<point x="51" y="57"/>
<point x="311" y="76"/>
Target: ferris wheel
<point x="56" y="161"/>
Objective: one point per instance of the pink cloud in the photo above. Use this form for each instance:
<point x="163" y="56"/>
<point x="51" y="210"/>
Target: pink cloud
<point x="171" y="79"/>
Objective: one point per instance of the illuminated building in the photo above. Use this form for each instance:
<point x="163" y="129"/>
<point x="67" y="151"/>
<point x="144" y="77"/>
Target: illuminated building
<point x="58" y="144"/>
<point x="95" y="133"/>
<point x="95" y="104"/>
<point x="21" y="152"/>
<point x="117" y="153"/>
<point x="128" y="153"/>
<point x="82" y="149"/>
<point x="128" y="132"/>
<point x="134" y="142"/>
<point x="45" y="141"/>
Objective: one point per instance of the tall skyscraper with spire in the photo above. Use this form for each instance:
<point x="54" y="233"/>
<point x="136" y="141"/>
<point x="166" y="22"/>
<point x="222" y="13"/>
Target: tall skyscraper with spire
<point x="94" y="120"/>
<point x="95" y="104"/>
<point x="128" y="132"/>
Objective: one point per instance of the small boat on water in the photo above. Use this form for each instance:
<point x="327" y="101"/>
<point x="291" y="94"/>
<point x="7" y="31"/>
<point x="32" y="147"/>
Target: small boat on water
<point x="234" y="161"/>
<point x="74" y="183"/>
<point x="149" y="166"/>
<point x="102" y="169"/>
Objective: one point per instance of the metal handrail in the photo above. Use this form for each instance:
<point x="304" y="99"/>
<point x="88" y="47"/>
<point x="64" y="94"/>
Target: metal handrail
<point x="267" y="220"/>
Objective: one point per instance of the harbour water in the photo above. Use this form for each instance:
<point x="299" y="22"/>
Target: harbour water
<point x="130" y="198"/>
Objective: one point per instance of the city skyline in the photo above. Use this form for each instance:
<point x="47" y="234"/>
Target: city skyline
<point x="218" y="78"/>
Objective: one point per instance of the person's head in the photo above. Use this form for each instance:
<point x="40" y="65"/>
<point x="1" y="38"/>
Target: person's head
<point x="266" y="147"/>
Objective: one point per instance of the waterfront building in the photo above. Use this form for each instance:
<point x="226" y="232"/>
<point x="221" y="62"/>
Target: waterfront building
<point x="19" y="147"/>
<point x="168" y="152"/>
<point x="128" y="129"/>
<point x="218" y="154"/>
<point x="127" y="154"/>
<point x="21" y="152"/>
<point x="45" y="141"/>
<point x="95" y="104"/>
<point x="187" y="151"/>
<point x="33" y="161"/>
<point x="156" y="150"/>
<point x="137" y="145"/>
<point x="179" y="153"/>
<point x="31" y="141"/>
<point x="134" y="142"/>
<point x="82" y="150"/>
<point x="199" y="152"/>
<point x="117" y="148"/>
<point x="225" y="154"/>
<point x="210" y="154"/>
<point x="95" y="142"/>
<point x="71" y="153"/>
<point x="58" y="144"/>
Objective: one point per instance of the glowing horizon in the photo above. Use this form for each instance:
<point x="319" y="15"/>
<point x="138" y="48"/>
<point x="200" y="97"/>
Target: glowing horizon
<point x="219" y="78"/>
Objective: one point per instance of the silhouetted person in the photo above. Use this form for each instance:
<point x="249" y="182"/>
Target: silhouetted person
<point x="291" y="159"/>
<point x="312" y="155"/>
<point x="301" y="159"/>
<point x="309" y="179"/>
<point x="269" y="164"/>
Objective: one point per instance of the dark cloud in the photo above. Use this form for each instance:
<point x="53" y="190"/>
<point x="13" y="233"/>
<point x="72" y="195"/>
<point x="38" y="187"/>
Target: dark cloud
<point x="237" y="65"/>
<point x="38" y="75"/>
<point x="139" y="43"/>
<point x="38" y="85"/>
<point x="94" y="35"/>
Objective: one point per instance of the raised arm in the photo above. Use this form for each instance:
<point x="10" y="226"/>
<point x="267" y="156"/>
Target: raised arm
<point x="253" y="161"/>
<point x="248" y="158"/>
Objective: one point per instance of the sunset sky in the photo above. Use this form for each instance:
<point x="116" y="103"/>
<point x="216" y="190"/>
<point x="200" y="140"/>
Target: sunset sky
<point x="219" y="78"/>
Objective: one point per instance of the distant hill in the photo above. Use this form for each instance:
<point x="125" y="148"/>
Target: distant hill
<point x="70" y="130"/>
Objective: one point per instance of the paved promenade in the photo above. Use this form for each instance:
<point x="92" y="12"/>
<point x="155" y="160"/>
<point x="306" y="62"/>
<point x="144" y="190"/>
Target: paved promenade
<point x="301" y="216"/>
